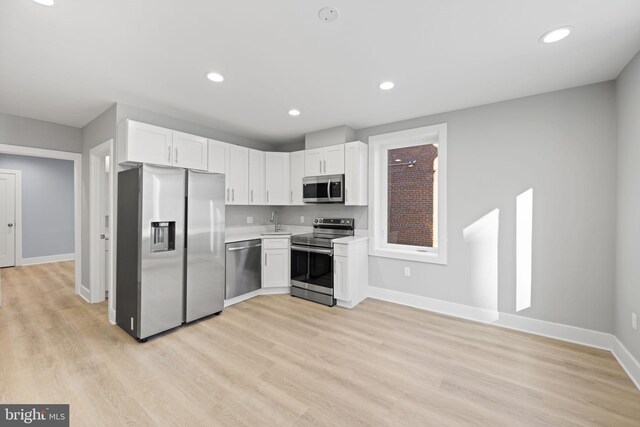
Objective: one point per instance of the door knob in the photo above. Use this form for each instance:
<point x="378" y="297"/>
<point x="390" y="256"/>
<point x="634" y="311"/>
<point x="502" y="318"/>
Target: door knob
<point x="10" y="224"/>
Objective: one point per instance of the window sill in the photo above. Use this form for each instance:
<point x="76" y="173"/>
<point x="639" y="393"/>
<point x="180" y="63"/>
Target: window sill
<point x="413" y="255"/>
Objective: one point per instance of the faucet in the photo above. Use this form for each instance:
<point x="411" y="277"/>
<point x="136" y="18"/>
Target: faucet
<point x="274" y="219"/>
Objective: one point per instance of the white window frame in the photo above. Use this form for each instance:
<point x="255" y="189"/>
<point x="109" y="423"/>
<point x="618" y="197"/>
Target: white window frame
<point x="378" y="208"/>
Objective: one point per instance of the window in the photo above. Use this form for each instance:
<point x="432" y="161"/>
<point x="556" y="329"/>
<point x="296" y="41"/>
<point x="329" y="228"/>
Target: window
<point x="407" y="212"/>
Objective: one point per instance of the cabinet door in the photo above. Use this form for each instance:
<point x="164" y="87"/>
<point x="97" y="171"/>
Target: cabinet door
<point x="350" y="172"/>
<point x="333" y="160"/>
<point x="296" y="173"/>
<point x="277" y="179"/>
<point x="190" y="151"/>
<point x="217" y="153"/>
<point x="341" y="278"/>
<point x="237" y="175"/>
<point x="313" y="162"/>
<point x="275" y="268"/>
<point x="148" y="144"/>
<point x="256" y="177"/>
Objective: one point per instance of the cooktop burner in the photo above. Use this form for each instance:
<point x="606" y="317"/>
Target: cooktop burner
<point x="325" y="230"/>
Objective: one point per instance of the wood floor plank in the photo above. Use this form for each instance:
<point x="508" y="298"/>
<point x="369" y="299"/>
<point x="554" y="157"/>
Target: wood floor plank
<point x="278" y="360"/>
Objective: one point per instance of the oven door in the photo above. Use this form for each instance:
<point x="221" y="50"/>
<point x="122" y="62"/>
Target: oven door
<point x="312" y="269"/>
<point x="323" y="189"/>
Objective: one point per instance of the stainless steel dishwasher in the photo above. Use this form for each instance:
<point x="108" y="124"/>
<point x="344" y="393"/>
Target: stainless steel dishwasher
<point x="244" y="267"/>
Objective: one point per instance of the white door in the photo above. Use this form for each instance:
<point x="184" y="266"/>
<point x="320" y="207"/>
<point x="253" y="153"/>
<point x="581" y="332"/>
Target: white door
<point x="105" y="210"/>
<point x="256" y="177"/>
<point x="149" y="144"/>
<point x="276" y="268"/>
<point x="7" y="220"/>
<point x="237" y="175"/>
<point x="333" y="160"/>
<point x="277" y="178"/>
<point x="217" y="153"/>
<point x="296" y="173"/>
<point x="190" y="151"/>
<point x="313" y="162"/>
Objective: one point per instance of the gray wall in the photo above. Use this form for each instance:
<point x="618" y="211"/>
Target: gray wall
<point x="47" y="204"/>
<point x="99" y="130"/>
<point x="561" y="144"/>
<point x="15" y="130"/>
<point x="627" y="295"/>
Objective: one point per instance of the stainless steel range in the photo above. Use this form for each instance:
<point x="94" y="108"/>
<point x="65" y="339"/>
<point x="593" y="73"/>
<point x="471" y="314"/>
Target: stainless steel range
<point x="312" y="259"/>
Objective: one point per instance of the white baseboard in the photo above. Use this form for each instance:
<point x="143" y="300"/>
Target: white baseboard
<point x="47" y="259"/>
<point x="253" y="294"/>
<point x="629" y="363"/>
<point x="558" y="331"/>
<point x="85" y="293"/>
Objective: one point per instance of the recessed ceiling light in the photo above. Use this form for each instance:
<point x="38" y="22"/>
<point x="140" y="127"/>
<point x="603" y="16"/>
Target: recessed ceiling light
<point x="555" y="35"/>
<point x="45" y="2"/>
<point x="386" y="85"/>
<point x="294" y="112"/>
<point x="328" y="14"/>
<point x="398" y="160"/>
<point x="215" y="77"/>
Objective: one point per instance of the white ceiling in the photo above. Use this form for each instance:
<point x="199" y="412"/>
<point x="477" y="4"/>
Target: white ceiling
<point x="68" y="63"/>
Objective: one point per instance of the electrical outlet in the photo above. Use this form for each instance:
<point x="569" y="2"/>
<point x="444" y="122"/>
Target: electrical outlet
<point x="249" y="220"/>
<point x="302" y="219"/>
<point x="634" y="322"/>
<point x="407" y="271"/>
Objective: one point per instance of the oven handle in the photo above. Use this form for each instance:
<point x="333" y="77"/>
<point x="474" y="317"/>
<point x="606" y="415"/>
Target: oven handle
<point x="312" y="250"/>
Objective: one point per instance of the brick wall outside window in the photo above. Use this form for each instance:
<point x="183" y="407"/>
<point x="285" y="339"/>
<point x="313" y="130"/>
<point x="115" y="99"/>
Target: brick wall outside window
<point x="411" y="198"/>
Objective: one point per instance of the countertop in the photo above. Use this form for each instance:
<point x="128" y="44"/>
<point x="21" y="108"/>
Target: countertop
<point x="350" y="239"/>
<point x="240" y="234"/>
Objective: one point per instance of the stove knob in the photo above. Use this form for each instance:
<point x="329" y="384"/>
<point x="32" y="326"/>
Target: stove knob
<point x="348" y="222"/>
<point x="342" y="221"/>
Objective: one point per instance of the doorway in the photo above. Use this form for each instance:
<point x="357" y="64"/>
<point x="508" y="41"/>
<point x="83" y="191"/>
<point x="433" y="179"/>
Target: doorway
<point x="101" y="170"/>
<point x="9" y="195"/>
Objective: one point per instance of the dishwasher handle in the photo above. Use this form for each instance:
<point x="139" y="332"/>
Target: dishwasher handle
<point x="244" y="247"/>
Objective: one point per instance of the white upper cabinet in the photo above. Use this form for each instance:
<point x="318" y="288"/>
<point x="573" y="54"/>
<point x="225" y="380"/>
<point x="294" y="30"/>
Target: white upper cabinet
<point x="296" y="172"/>
<point x="277" y="179"/>
<point x="143" y="143"/>
<point x="356" y="170"/>
<point x="189" y="151"/>
<point x="324" y="161"/>
<point x="313" y="162"/>
<point x="237" y="176"/>
<point x="256" y="177"/>
<point x="218" y="152"/>
<point x="334" y="160"/>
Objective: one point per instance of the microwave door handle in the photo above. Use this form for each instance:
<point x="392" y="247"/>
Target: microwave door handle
<point x="329" y="190"/>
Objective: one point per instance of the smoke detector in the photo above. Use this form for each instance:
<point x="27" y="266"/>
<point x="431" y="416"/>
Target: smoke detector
<point x="328" y="14"/>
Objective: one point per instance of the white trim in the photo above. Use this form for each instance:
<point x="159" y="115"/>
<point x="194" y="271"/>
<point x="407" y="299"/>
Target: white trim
<point x="629" y="363"/>
<point x="378" y="144"/>
<point x="95" y="244"/>
<point x="17" y="247"/>
<point x="596" y="339"/>
<point x="48" y="259"/>
<point x="85" y="294"/>
<point x="262" y="291"/>
<point x="77" y="193"/>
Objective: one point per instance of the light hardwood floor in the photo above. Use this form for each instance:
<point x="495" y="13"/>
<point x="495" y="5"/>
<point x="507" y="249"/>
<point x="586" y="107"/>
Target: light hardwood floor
<point x="276" y="360"/>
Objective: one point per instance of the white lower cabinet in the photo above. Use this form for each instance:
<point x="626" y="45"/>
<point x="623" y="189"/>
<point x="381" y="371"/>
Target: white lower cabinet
<point x="275" y="263"/>
<point x="350" y="272"/>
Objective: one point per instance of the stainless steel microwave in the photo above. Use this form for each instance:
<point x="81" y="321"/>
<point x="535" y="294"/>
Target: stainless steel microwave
<point x="323" y="189"/>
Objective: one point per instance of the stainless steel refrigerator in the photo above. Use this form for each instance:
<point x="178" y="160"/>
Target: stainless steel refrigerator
<point x="170" y="248"/>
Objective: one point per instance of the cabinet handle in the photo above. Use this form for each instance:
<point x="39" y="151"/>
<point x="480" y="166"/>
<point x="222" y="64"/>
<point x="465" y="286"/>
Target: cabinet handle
<point x="291" y="199"/>
<point x="227" y="194"/>
<point x="233" y="194"/>
<point x="267" y="196"/>
<point x="265" y="258"/>
<point x="176" y="155"/>
<point x="325" y="165"/>
<point x="320" y="166"/>
<point x="251" y="196"/>
<point x="168" y="154"/>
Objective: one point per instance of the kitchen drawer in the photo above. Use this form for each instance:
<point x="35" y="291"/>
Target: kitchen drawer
<point x="341" y="250"/>
<point x="275" y="243"/>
